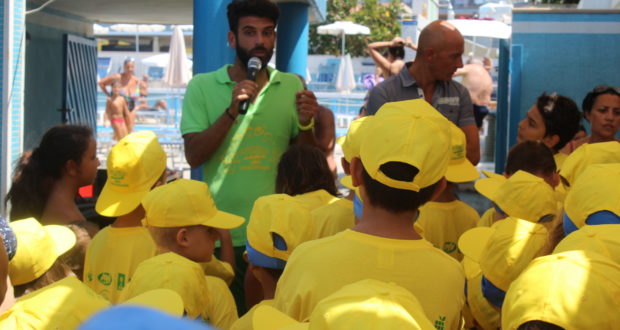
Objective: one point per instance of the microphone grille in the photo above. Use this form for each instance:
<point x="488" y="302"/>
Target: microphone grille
<point x="255" y="63"/>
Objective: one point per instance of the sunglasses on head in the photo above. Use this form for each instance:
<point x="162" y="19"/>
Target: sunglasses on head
<point x="604" y="89"/>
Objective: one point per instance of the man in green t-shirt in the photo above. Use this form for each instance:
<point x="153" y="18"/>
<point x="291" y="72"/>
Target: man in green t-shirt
<point x="239" y="153"/>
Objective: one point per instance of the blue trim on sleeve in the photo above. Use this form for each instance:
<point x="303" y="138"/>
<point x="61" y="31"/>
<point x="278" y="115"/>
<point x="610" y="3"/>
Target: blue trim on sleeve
<point x="492" y="293"/>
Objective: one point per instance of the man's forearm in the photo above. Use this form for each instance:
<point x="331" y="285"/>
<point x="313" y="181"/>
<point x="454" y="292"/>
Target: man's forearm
<point x="200" y="147"/>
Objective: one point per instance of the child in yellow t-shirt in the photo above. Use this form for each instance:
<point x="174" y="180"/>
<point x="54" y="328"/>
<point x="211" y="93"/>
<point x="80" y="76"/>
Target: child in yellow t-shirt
<point x="399" y="169"/>
<point x="182" y="219"/>
<point x="136" y="164"/>
<point x="444" y="219"/>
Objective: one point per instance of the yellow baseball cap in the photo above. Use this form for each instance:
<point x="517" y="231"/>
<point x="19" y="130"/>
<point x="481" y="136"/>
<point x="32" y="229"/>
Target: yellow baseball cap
<point x="278" y="224"/>
<point x="596" y="189"/>
<point x="67" y="303"/>
<point x="185" y="203"/>
<point x="460" y="169"/>
<point x="573" y="290"/>
<point x="523" y="195"/>
<point x="134" y="165"/>
<point x="38" y="247"/>
<point x="350" y="143"/>
<point x="367" y="304"/>
<point x="165" y="271"/>
<point x="504" y="249"/>
<point x="602" y="239"/>
<point x="410" y="132"/>
<point x="588" y="154"/>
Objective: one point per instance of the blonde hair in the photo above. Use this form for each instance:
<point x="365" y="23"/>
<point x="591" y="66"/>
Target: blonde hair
<point x="165" y="237"/>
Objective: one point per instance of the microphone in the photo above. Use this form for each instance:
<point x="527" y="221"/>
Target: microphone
<point x="254" y="65"/>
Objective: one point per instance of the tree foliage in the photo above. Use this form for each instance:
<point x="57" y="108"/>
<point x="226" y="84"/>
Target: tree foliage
<point x="382" y="19"/>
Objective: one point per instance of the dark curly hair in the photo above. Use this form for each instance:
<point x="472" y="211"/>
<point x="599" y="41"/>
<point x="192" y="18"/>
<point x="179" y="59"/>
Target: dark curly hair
<point x="561" y="116"/>
<point x="257" y="8"/>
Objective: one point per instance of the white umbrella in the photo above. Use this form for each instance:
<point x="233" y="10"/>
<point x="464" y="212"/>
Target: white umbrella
<point x="345" y="82"/>
<point x="482" y="28"/>
<point x="342" y="28"/>
<point x="177" y="73"/>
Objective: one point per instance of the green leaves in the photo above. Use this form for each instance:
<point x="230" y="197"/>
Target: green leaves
<point x="382" y="19"/>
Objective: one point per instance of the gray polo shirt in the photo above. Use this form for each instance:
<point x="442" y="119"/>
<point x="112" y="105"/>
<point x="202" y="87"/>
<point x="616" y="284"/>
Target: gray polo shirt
<point x="450" y="98"/>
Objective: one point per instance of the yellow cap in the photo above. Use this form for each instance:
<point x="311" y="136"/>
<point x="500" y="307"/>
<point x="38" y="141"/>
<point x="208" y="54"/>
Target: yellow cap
<point x="350" y="143"/>
<point x="278" y="214"/>
<point x="573" y="290"/>
<point x="588" y="154"/>
<point x="490" y="174"/>
<point x="596" y="189"/>
<point x="185" y="203"/>
<point x="29" y="262"/>
<point x="523" y="195"/>
<point x="410" y="132"/>
<point x="347" y="182"/>
<point x="504" y="249"/>
<point x="481" y="309"/>
<point x="367" y="304"/>
<point x="67" y="303"/>
<point x="174" y="272"/>
<point x="602" y="239"/>
<point x="134" y="165"/>
<point x="460" y="169"/>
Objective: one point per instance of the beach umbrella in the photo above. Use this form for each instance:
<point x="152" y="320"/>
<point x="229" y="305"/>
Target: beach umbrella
<point x="177" y="72"/>
<point x="345" y="81"/>
<point x="342" y="28"/>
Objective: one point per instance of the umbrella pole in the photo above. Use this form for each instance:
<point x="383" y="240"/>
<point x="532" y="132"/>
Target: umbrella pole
<point x="342" y="44"/>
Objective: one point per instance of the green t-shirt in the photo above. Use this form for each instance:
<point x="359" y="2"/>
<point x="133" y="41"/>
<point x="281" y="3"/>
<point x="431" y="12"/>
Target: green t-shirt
<point x="244" y="166"/>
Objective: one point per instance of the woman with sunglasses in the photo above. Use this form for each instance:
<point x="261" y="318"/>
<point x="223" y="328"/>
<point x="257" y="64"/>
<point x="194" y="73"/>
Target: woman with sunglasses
<point x="554" y="120"/>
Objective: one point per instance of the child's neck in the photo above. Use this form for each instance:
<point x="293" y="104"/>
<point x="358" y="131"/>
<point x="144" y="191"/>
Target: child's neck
<point x="380" y="222"/>
<point x="447" y="195"/>
<point x="131" y="219"/>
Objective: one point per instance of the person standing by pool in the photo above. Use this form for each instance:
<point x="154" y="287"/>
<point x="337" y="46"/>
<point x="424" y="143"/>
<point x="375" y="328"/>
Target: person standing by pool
<point x="239" y="153"/>
<point x="130" y="84"/>
<point x="117" y="112"/>
<point x="429" y="76"/>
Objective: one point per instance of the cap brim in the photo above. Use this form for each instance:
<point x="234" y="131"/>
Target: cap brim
<point x="267" y="317"/>
<point x="224" y="220"/>
<point x="490" y="174"/>
<point x="114" y="203"/>
<point x="64" y="238"/>
<point x="473" y="242"/>
<point x="472" y="268"/>
<point x="164" y="300"/>
<point x="464" y="171"/>
<point x="488" y="187"/>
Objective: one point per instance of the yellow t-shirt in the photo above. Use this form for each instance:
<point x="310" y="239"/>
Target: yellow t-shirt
<point x="559" y="160"/>
<point x="112" y="257"/>
<point x="315" y="198"/>
<point x="174" y="272"/>
<point x="221" y="312"/>
<point x="319" y="268"/>
<point x="245" y="321"/>
<point x="444" y="223"/>
<point x="486" y="220"/>
<point x="64" y="304"/>
<point x="219" y="268"/>
<point x="332" y="218"/>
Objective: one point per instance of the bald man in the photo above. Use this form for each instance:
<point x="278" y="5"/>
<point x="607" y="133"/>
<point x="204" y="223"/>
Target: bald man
<point x="477" y="79"/>
<point x="429" y="76"/>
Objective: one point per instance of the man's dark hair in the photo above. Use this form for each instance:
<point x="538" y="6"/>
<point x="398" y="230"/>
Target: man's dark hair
<point x="561" y="116"/>
<point x="397" y="52"/>
<point x="394" y="199"/>
<point x="256" y="8"/>
<point x="539" y="325"/>
<point x="532" y="157"/>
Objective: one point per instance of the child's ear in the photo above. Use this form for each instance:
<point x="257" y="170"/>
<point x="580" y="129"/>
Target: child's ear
<point x="357" y="168"/>
<point x="551" y="141"/>
<point x="182" y="237"/>
<point x="345" y="166"/>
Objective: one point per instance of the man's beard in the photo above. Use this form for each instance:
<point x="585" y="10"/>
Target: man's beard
<point x="245" y="56"/>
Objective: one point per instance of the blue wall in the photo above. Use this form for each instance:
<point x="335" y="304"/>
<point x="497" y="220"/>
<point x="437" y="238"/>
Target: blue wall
<point x="568" y="52"/>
